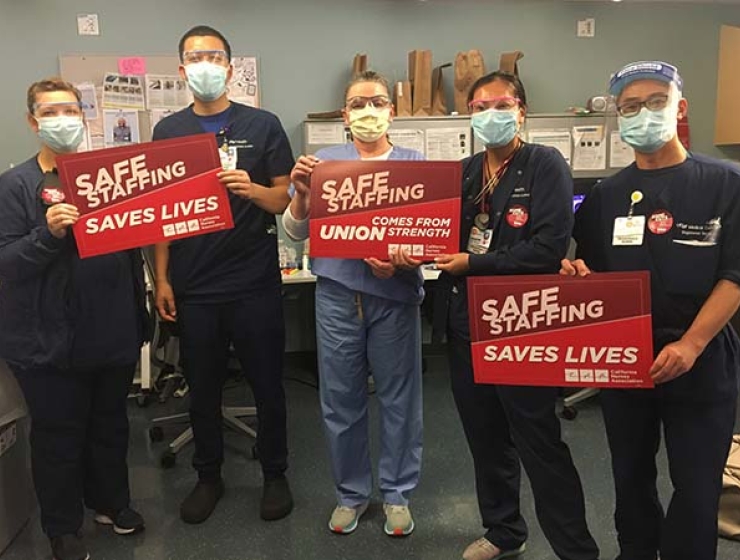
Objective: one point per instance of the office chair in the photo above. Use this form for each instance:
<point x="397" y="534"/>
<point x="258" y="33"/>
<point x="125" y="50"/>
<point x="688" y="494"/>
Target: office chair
<point x="165" y="338"/>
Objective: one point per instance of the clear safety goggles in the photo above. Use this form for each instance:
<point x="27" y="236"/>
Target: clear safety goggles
<point x="503" y="103"/>
<point x="632" y="107"/>
<point x="360" y="102"/>
<point x="214" y="57"/>
<point x="59" y="109"/>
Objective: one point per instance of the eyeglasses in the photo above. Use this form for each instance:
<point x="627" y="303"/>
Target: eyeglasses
<point x="377" y="101"/>
<point x="653" y="103"/>
<point x="214" y="57"/>
<point x="504" y="103"/>
<point x="44" y="110"/>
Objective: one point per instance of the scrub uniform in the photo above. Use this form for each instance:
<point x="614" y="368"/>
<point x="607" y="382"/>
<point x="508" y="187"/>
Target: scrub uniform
<point x="530" y="217"/>
<point x="689" y="242"/>
<point x="228" y="291"/>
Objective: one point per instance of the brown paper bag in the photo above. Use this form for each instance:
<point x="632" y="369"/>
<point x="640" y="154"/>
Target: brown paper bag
<point x="439" y="100"/>
<point x="403" y="102"/>
<point x="420" y="74"/>
<point x="508" y="62"/>
<point x="469" y="66"/>
<point x="359" y="65"/>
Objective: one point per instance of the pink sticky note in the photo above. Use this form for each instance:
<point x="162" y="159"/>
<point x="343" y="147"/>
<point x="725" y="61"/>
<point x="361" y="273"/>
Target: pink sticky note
<point x="132" y="65"/>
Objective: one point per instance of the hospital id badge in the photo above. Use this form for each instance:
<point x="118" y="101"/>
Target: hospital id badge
<point x="628" y="230"/>
<point x="479" y="241"/>
<point x="229" y="157"/>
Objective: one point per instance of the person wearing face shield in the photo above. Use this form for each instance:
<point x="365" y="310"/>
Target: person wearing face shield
<point x="516" y="219"/>
<point x="684" y="226"/>
<point x="71" y="331"/>
<point x="224" y="288"/>
<point x="367" y="320"/>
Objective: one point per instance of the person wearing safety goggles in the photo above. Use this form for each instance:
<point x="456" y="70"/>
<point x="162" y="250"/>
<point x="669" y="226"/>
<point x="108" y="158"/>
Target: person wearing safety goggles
<point x="367" y="320"/>
<point x="71" y="331"/>
<point x="224" y="288"/>
<point x="516" y="219"/>
<point x="684" y="227"/>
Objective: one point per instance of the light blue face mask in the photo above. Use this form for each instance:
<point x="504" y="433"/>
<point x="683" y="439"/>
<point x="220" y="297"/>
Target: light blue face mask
<point x="207" y="81"/>
<point x="495" y="128"/>
<point x="649" y="131"/>
<point x="62" y="134"/>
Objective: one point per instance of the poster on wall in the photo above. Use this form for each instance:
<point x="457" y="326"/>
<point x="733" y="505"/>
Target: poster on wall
<point x="560" y="331"/>
<point x="138" y="195"/>
<point x="244" y="84"/>
<point x="121" y="91"/>
<point x="167" y="92"/>
<point x="121" y="127"/>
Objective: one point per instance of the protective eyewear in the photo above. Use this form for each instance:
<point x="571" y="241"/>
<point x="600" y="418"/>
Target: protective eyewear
<point x="631" y="108"/>
<point x="377" y="101"/>
<point x="214" y="57"/>
<point x="60" y="109"/>
<point x="503" y="103"/>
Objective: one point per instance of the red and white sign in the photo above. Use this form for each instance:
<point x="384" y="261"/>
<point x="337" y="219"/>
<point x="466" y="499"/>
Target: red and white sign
<point x="562" y="331"/>
<point x="142" y="194"/>
<point x="363" y="209"/>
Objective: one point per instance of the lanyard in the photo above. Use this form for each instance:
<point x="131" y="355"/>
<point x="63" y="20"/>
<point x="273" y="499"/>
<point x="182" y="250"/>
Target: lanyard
<point x="490" y="183"/>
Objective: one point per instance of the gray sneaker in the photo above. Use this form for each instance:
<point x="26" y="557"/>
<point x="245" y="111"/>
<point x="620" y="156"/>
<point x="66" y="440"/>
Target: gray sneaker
<point x="483" y="549"/>
<point x="398" y="521"/>
<point x="344" y="519"/>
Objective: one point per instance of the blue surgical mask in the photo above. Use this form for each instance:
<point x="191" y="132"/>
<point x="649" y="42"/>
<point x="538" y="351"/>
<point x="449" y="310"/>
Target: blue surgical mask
<point x="495" y="128"/>
<point x="649" y="131"/>
<point x="62" y="134"/>
<point x="207" y="81"/>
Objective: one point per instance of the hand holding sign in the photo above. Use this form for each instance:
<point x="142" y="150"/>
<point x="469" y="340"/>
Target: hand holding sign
<point x="300" y="176"/>
<point x="59" y="217"/>
<point x="574" y="268"/>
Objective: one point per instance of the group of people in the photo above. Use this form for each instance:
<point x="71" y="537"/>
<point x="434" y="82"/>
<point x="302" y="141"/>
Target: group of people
<point x="71" y="328"/>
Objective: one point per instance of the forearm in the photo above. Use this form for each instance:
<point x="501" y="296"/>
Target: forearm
<point x="29" y="256"/>
<point x="719" y="308"/>
<point x="161" y="263"/>
<point x="297" y="229"/>
<point x="271" y="199"/>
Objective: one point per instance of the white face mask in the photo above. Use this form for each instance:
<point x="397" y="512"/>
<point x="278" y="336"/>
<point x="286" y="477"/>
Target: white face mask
<point x="62" y="134"/>
<point x="369" y="124"/>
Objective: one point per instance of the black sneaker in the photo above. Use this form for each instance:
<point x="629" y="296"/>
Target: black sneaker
<point x="277" y="501"/>
<point x="201" y="502"/>
<point x="69" y="547"/>
<point x="125" y="521"/>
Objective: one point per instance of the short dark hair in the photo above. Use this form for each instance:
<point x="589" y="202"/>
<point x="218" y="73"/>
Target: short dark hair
<point x="49" y="85"/>
<point x="499" y="75"/>
<point x="367" y="76"/>
<point x="204" y="31"/>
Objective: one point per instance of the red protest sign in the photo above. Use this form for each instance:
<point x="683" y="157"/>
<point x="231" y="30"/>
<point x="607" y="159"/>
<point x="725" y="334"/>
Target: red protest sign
<point x="137" y="195"/>
<point x="562" y="331"/>
<point x="363" y="209"/>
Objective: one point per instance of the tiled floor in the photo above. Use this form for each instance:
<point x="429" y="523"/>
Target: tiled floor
<point x="444" y="505"/>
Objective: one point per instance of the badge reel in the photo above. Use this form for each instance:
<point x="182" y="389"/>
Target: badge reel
<point x="480" y="235"/>
<point x="629" y="230"/>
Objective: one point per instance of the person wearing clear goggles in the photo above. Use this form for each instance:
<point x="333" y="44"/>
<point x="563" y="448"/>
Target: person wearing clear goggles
<point x="367" y="319"/>
<point x="224" y="289"/>
<point x="516" y="219"/>
<point x="683" y="227"/>
<point x="71" y="332"/>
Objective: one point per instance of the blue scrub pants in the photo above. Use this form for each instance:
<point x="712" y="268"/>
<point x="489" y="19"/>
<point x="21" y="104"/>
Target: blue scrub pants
<point x="357" y="334"/>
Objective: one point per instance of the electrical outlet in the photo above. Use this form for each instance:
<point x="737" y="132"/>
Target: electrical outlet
<point x="586" y="27"/>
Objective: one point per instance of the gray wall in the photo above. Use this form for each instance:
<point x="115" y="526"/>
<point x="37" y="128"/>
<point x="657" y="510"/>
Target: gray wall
<point x="305" y="47"/>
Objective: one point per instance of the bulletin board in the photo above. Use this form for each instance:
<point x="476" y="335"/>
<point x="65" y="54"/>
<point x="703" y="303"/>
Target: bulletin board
<point x="156" y="77"/>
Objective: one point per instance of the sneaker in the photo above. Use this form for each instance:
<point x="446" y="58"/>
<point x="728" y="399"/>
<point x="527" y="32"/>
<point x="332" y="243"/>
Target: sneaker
<point x="277" y="500"/>
<point x="201" y="502"/>
<point x="69" y="547"/>
<point x="483" y="549"/>
<point x="398" y="520"/>
<point x="344" y="519"/>
<point x="125" y="521"/>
